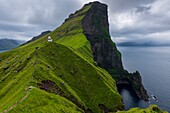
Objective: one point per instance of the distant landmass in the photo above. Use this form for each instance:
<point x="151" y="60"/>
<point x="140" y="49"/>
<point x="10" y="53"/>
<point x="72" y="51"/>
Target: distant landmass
<point x="142" y="44"/>
<point x="39" y="36"/>
<point x="6" y="44"/>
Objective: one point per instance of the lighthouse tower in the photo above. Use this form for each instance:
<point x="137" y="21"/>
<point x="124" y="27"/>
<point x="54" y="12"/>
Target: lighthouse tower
<point x="49" y="39"/>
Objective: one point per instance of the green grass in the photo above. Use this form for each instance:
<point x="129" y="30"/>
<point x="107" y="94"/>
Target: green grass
<point x="82" y="82"/>
<point x="69" y="60"/>
<point x="39" y="101"/>
<point x="150" y="109"/>
<point x="88" y="84"/>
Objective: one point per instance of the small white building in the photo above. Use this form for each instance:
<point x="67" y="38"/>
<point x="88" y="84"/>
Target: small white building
<point x="49" y="39"/>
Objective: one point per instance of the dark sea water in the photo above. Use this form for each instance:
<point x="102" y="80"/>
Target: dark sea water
<point x="154" y="65"/>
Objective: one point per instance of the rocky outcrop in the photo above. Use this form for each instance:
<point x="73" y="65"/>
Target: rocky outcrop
<point x="134" y="80"/>
<point x="96" y="29"/>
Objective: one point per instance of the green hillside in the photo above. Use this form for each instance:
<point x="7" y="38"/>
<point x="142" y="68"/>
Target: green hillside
<point x="74" y="78"/>
<point x="150" y="109"/>
<point x="57" y="77"/>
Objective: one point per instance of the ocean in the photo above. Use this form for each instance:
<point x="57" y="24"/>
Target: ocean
<point x="154" y="65"/>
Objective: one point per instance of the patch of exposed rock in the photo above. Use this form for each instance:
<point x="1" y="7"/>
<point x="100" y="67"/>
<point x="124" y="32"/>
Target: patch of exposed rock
<point x="96" y="28"/>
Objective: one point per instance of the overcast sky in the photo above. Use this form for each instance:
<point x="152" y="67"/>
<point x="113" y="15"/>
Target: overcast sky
<point x="130" y="20"/>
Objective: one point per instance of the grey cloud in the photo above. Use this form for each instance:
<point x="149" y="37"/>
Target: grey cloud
<point x="34" y="16"/>
<point x="52" y="13"/>
<point x="36" y="11"/>
<point x="15" y="27"/>
<point x="129" y="19"/>
<point x="146" y="21"/>
<point x="125" y="5"/>
<point x="143" y="8"/>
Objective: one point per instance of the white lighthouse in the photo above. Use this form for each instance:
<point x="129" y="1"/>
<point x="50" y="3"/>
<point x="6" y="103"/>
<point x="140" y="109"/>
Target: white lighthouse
<point x="49" y="39"/>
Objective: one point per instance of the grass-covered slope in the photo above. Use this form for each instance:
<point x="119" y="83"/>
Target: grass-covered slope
<point x="58" y="77"/>
<point x="70" y="33"/>
<point x="150" y="109"/>
<point x="74" y="78"/>
<point x="41" y="101"/>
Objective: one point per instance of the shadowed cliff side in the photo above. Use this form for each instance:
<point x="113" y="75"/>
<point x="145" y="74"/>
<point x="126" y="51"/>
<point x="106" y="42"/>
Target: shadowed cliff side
<point x="96" y="29"/>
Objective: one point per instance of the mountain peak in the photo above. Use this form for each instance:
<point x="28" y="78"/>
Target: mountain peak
<point x="96" y="29"/>
<point x="95" y="3"/>
<point x="92" y="19"/>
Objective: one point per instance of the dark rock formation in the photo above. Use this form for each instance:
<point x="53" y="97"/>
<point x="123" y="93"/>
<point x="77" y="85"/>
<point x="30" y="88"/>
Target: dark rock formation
<point x="51" y="87"/>
<point x="96" y="29"/>
<point x="104" y="109"/>
<point x="135" y="81"/>
<point x="5" y="67"/>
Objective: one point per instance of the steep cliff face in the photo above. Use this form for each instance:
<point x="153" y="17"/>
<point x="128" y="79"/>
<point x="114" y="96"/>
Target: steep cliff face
<point x="135" y="82"/>
<point x="96" y="29"/>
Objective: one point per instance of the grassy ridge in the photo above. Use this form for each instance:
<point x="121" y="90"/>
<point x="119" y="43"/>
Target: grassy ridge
<point x="88" y="84"/>
<point x="76" y="83"/>
<point x="41" y="101"/>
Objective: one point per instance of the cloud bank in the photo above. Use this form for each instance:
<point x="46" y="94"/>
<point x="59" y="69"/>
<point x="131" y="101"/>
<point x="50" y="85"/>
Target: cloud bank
<point x="130" y="20"/>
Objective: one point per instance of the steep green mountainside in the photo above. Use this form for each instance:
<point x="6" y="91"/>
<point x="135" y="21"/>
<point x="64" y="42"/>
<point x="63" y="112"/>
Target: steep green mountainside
<point x="71" y="76"/>
<point x="59" y="76"/>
